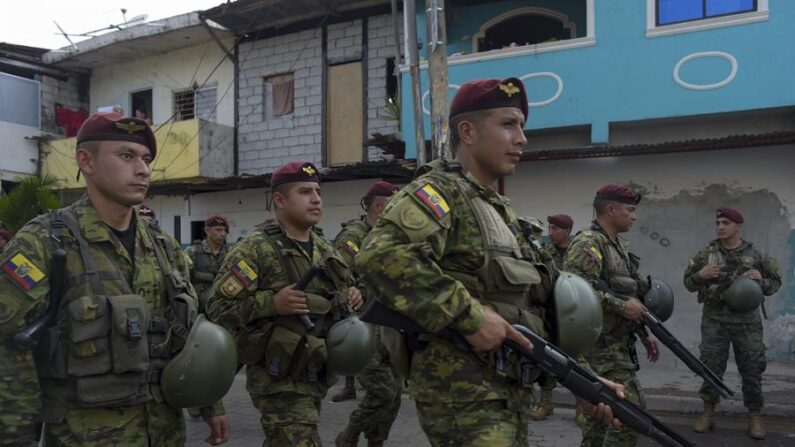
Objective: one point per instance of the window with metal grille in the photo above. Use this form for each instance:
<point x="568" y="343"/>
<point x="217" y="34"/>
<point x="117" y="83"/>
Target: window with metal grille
<point x="184" y="105"/>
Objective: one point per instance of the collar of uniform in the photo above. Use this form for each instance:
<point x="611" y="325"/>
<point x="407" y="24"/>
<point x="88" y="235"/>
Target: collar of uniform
<point x="743" y="245"/>
<point x="95" y="230"/>
<point x="620" y="241"/>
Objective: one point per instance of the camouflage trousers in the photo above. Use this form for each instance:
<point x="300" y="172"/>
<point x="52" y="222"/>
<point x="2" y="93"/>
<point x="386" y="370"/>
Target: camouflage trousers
<point x="598" y="434"/>
<point x="288" y="419"/>
<point x="379" y="407"/>
<point x="144" y="425"/>
<point x="547" y="383"/>
<point x="473" y="424"/>
<point x="749" y="353"/>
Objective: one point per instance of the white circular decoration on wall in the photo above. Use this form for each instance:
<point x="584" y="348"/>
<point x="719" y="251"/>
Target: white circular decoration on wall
<point x="701" y="55"/>
<point x="544" y="74"/>
<point x="428" y="92"/>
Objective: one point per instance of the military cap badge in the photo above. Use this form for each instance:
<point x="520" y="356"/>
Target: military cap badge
<point x="131" y="127"/>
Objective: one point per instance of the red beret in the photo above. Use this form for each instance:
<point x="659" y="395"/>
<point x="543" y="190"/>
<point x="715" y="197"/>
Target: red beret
<point x="561" y="221"/>
<point x="731" y="214"/>
<point x="216" y="220"/>
<point x="482" y="94"/>
<point x="5" y="235"/>
<point x="111" y="126"/>
<point x="295" y="171"/>
<point x="381" y="189"/>
<point x="618" y="193"/>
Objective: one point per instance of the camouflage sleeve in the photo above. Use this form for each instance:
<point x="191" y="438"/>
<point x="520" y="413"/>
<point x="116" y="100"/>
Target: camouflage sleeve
<point x="400" y="265"/>
<point x="584" y="257"/>
<point x="693" y="281"/>
<point x="244" y="287"/>
<point x="24" y="289"/>
<point x="183" y="265"/>
<point x="347" y="245"/>
<point x="771" y="277"/>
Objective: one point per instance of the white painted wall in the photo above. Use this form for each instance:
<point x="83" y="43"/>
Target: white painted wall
<point x="17" y="155"/>
<point x="164" y="74"/>
<point x="680" y="205"/>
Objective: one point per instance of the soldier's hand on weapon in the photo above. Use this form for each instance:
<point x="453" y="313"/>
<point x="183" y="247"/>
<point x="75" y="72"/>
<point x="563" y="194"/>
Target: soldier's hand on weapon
<point x="219" y="430"/>
<point x="709" y="271"/>
<point x="652" y="349"/>
<point x="494" y="332"/>
<point x="289" y="301"/>
<point x="634" y="310"/>
<point x="601" y="411"/>
<point x="753" y="274"/>
<point x="354" y="297"/>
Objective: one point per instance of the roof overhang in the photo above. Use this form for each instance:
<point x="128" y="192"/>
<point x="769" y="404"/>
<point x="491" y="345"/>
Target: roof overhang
<point x="135" y="42"/>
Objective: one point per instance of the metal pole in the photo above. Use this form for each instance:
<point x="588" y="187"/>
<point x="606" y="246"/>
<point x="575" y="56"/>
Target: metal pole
<point x="437" y="73"/>
<point x="410" y="17"/>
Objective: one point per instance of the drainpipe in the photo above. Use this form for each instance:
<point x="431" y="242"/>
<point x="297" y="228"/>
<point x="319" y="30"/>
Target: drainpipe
<point x="410" y="18"/>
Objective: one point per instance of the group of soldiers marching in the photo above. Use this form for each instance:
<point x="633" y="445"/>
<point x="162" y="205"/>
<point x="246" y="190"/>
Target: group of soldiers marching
<point x="120" y="313"/>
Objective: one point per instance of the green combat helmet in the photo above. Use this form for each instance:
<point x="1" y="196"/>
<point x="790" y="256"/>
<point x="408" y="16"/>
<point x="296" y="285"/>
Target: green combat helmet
<point x="350" y="346"/>
<point x="578" y="314"/>
<point x="659" y="299"/>
<point x="744" y="295"/>
<point x="202" y="373"/>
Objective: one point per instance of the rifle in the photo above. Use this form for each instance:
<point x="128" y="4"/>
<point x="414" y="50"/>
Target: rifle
<point x="550" y="359"/>
<point x="668" y="339"/>
<point x="309" y="275"/>
<point x="29" y="335"/>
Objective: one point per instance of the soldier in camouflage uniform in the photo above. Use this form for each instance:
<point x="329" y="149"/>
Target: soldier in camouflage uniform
<point x="559" y="229"/>
<point x="254" y="297"/>
<point x="448" y="253"/>
<point x="93" y="378"/>
<point x="379" y="407"/>
<point x="710" y="272"/>
<point x="207" y="255"/>
<point x="599" y="253"/>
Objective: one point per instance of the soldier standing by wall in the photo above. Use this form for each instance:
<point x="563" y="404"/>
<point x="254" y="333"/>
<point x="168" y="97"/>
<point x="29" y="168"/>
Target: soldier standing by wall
<point x="379" y="407"/>
<point x="255" y="298"/>
<point x="207" y="255"/>
<point x="600" y="253"/>
<point x="720" y="273"/>
<point x="438" y="255"/>
<point x="99" y="362"/>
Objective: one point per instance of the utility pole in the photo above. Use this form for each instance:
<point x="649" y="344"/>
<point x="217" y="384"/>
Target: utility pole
<point x="437" y="73"/>
<point x="410" y="17"/>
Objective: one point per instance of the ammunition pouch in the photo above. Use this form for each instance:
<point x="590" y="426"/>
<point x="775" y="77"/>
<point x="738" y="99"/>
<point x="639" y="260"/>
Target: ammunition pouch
<point x="295" y="354"/>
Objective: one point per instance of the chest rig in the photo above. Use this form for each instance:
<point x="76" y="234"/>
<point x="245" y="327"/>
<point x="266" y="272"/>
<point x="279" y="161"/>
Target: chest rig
<point x="207" y="264"/>
<point x="108" y="345"/>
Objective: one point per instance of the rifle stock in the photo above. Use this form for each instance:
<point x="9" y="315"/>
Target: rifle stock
<point x="550" y="359"/>
<point x="667" y="338"/>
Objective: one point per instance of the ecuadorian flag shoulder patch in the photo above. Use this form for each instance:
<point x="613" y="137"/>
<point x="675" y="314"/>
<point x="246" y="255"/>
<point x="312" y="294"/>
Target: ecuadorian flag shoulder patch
<point x="351" y="248"/>
<point x="433" y="200"/>
<point x="23" y="271"/>
<point x="244" y="273"/>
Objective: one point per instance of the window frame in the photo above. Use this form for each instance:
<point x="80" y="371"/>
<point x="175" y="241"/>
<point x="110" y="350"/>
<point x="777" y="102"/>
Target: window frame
<point x="704" y="17"/>
<point x="653" y="29"/>
<point x="270" y="114"/>
<point x="178" y="114"/>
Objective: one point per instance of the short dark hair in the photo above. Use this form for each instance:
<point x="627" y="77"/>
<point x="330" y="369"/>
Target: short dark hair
<point x="90" y="146"/>
<point x="599" y="205"/>
<point x="474" y="117"/>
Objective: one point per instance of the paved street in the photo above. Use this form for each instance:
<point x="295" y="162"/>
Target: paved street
<point x="558" y="431"/>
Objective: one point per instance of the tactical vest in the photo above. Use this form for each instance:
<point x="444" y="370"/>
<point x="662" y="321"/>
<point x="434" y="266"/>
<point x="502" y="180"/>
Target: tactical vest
<point x="732" y="267"/>
<point x="282" y="342"/>
<point x="107" y="346"/>
<point x="204" y="263"/>
<point x="512" y="279"/>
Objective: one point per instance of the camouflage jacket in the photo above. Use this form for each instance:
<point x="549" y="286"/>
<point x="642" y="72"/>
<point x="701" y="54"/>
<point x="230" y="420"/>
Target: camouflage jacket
<point x="733" y="263"/>
<point x="413" y="261"/>
<point x="349" y="241"/>
<point x="594" y="256"/>
<point x="24" y="296"/>
<point x="556" y="254"/>
<point x="242" y="300"/>
<point x="204" y="266"/>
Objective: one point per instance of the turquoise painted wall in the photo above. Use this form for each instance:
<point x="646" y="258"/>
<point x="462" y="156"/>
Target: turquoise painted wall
<point x="626" y="76"/>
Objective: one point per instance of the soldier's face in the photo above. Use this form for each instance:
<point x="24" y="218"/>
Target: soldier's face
<point x="301" y="204"/>
<point x="623" y="216"/>
<point x="726" y="229"/>
<point x="118" y="170"/>
<point x="557" y="234"/>
<point x="498" y="142"/>
<point x="216" y="234"/>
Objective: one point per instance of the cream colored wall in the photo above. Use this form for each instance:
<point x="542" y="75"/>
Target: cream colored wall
<point x="164" y="74"/>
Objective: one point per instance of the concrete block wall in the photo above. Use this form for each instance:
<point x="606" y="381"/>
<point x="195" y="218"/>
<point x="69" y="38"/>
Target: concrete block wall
<point x="67" y="93"/>
<point x="266" y="144"/>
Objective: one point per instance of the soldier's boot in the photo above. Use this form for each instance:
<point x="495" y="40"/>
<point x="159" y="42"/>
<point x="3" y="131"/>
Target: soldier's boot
<point x="755" y="428"/>
<point x="348" y="391"/>
<point x="349" y="437"/>
<point x="579" y="416"/>
<point x="706" y="421"/>
<point x="544" y="408"/>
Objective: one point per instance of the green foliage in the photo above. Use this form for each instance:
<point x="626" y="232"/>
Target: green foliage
<point x="31" y="197"/>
